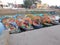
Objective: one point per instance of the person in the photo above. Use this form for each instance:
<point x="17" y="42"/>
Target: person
<point x="2" y="27"/>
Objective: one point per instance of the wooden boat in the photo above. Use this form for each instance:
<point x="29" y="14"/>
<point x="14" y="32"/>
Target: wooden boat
<point x="46" y="21"/>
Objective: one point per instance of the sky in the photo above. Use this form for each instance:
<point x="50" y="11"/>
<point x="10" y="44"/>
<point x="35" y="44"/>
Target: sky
<point x="50" y="2"/>
<point x="13" y="1"/>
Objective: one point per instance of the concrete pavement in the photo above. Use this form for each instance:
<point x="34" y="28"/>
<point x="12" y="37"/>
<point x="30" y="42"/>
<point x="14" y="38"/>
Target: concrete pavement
<point x="44" y="36"/>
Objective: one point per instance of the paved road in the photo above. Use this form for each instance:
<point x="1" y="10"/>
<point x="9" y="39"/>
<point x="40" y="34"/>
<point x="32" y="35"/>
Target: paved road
<point x="44" y="36"/>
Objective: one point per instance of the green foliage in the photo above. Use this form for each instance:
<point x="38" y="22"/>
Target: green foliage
<point x="27" y="3"/>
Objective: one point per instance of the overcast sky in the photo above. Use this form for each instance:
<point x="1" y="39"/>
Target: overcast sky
<point x="50" y="2"/>
<point x="13" y="1"/>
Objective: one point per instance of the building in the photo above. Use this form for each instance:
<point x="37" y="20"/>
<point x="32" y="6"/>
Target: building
<point x="12" y="5"/>
<point x="39" y="5"/>
<point x="3" y="5"/>
<point x="9" y="5"/>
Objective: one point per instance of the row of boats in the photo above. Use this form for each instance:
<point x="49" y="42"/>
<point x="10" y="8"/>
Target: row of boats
<point x="20" y="23"/>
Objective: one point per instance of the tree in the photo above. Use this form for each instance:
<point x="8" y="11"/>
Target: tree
<point x="34" y="1"/>
<point x="27" y="3"/>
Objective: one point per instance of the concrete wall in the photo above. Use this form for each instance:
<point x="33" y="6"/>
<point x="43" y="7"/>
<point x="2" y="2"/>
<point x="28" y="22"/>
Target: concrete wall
<point x="23" y="11"/>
